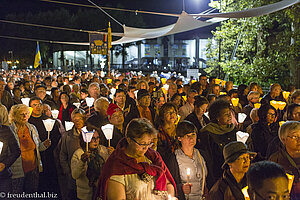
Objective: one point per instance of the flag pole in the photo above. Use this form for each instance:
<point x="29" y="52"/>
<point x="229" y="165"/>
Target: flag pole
<point x="109" y="46"/>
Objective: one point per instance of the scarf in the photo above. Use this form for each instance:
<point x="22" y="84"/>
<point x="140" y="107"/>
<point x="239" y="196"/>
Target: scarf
<point x="120" y="164"/>
<point x="216" y="129"/>
<point x="94" y="167"/>
<point x="61" y="111"/>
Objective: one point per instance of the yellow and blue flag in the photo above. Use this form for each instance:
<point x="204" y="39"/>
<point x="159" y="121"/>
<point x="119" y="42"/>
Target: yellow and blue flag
<point x="37" y="59"/>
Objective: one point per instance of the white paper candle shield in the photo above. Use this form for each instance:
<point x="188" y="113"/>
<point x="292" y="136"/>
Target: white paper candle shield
<point x="108" y="131"/>
<point x="89" y="101"/>
<point x="1" y="147"/>
<point x="241" y="117"/>
<point x="49" y="123"/>
<point x="87" y="135"/>
<point x="135" y="93"/>
<point x="55" y="113"/>
<point x="77" y="104"/>
<point x="25" y="101"/>
<point x="242" y="136"/>
<point x="206" y="114"/>
<point x="69" y="125"/>
<point x="166" y="87"/>
<point x="48" y="92"/>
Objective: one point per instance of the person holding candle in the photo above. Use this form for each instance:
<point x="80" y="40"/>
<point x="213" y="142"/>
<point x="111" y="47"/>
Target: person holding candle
<point x="25" y="170"/>
<point x="86" y="166"/>
<point x="69" y="144"/>
<point x="187" y="165"/>
<point x="135" y="171"/>
<point x="274" y="94"/>
<point x="293" y="112"/>
<point x="237" y="161"/>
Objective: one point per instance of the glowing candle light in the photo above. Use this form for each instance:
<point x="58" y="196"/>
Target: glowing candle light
<point x="188" y="173"/>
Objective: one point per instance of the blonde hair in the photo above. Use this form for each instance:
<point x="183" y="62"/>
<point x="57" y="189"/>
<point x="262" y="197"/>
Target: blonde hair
<point x="138" y="85"/>
<point x="15" y="111"/>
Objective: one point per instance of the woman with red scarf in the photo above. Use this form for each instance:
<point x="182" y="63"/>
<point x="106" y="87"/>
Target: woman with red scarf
<point x="66" y="108"/>
<point x="135" y="171"/>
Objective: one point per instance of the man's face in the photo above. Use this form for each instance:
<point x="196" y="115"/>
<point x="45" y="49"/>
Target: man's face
<point x="272" y="188"/>
<point x="2" y="85"/>
<point x="203" y="80"/>
<point x="216" y="90"/>
<point x="145" y="101"/>
<point x="37" y="108"/>
<point x="40" y="92"/>
<point x="28" y="86"/>
<point x="94" y="92"/>
<point x="254" y="99"/>
<point x="120" y="98"/>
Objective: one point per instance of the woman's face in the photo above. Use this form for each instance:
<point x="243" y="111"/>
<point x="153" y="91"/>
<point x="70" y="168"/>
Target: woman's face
<point x="120" y="98"/>
<point x="140" y="145"/>
<point x="276" y="91"/>
<point x="64" y="99"/>
<point x="161" y="102"/>
<point x="78" y="121"/>
<point x="240" y="165"/>
<point x="23" y="116"/>
<point x="170" y="116"/>
<point x="117" y="118"/>
<point x="201" y="110"/>
<point x="271" y="116"/>
<point x="189" y="140"/>
<point x="143" y="86"/>
<point x="95" y="141"/>
<point x="10" y="85"/>
<point x="225" y="117"/>
<point x="254" y="88"/>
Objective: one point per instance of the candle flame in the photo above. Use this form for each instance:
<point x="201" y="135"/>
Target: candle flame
<point x="188" y="171"/>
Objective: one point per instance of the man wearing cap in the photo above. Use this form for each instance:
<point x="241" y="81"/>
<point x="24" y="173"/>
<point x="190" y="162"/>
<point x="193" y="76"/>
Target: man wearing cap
<point x="237" y="161"/>
<point x="142" y="110"/>
<point x="40" y="91"/>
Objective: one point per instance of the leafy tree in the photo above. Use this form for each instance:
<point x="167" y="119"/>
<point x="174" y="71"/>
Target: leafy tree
<point x="267" y="47"/>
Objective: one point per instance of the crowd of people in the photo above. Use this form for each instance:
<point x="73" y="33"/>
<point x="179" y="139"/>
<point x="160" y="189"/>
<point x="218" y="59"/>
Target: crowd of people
<point x="171" y="139"/>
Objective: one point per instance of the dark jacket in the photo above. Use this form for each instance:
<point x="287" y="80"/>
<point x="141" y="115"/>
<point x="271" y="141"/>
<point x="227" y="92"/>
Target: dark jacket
<point x="7" y="100"/>
<point x="262" y="135"/>
<point x="10" y="151"/>
<point x="97" y="120"/>
<point x="134" y="113"/>
<point x="290" y="166"/>
<point x="194" y="119"/>
<point x="247" y="110"/>
<point x="214" y="140"/>
<point x="117" y="136"/>
<point x="226" y="188"/>
<point x="267" y="98"/>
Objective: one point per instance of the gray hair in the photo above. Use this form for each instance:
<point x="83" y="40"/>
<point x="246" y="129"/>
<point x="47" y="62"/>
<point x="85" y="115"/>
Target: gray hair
<point x="286" y="128"/>
<point x="98" y="103"/>
<point x="252" y="94"/>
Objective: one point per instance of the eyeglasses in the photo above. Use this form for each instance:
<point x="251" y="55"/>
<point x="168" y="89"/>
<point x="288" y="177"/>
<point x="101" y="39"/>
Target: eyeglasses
<point x="294" y="137"/>
<point x="273" y="196"/>
<point x="142" y="145"/>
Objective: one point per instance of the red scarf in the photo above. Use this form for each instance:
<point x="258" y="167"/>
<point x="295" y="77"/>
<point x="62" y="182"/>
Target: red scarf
<point x="121" y="164"/>
<point x="61" y="110"/>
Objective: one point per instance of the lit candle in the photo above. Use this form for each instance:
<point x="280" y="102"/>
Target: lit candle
<point x="188" y="173"/>
<point x="169" y="197"/>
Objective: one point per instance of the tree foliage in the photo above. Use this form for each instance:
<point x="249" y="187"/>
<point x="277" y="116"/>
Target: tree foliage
<point x="267" y="47"/>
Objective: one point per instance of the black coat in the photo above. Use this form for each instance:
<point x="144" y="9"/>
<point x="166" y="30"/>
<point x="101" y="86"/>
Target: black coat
<point x="262" y="135"/>
<point x="227" y="188"/>
<point x="10" y="151"/>
<point x="290" y="166"/>
<point x="134" y="113"/>
<point x="213" y="145"/>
